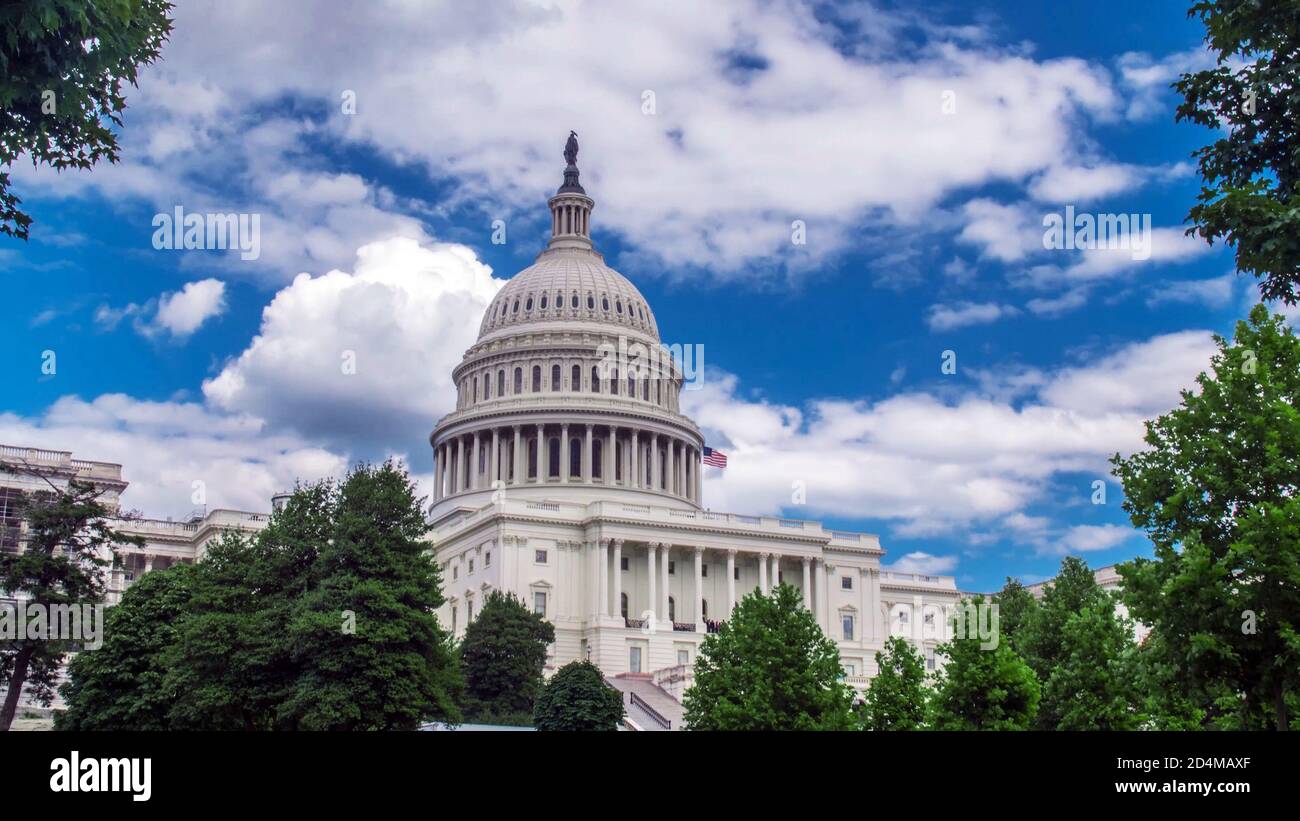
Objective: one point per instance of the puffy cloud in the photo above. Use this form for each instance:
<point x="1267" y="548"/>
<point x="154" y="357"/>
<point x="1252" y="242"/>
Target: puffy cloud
<point x="169" y="451"/>
<point x="484" y="101"/>
<point x="932" y="466"/>
<point x="363" y="357"/>
<point x="1215" y="292"/>
<point x="183" y="312"/>
<point x="919" y="561"/>
<point x="962" y="314"/>
<point x="178" y="314"/>
<point x="1092" y="538"/>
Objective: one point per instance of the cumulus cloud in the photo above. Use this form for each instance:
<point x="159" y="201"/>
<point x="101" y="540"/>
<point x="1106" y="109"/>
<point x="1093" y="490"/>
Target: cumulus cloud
<point x="362" y="357"/>
<point x="962" y="314"/>
<point x="171" y="451"/>
<point x="864" y="133"/>
<point x="919" y="561"/>
<point x="177" y="314"/>
<point x="932" y="465"/>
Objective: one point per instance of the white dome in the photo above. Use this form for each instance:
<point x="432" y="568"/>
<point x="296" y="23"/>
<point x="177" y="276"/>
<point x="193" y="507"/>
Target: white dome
<point x="569" y="285"/>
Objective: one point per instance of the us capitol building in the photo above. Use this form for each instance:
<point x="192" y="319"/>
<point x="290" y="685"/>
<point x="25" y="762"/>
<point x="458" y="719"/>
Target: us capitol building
<point x="568" y="475"/>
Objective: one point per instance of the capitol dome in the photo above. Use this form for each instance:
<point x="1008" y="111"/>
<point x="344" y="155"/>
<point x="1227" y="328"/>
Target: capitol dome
<point x="567" y="392"/>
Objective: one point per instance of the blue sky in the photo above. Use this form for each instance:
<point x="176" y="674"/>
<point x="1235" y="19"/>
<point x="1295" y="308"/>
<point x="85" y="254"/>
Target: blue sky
<point x="705" y="134"/>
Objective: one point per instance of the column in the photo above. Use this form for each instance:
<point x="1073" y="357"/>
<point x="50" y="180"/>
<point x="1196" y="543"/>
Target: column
<point x="586" y="466"/>
<point x="762" y="573"/>
<point x="654" y="461"/>
<point x="460" y="463"/>
<point x="665" y="551"/>
<point x="807" y="582"/>
<point x="148" y="562"/>
<point x="564" y="453"/>
<point x="699" y="478"/>
<point x="918" y="618"/>
<point x="515" y="455"/>
<point x="617" y="598"/>
<point x="602" y="555"/>
<point x="633" y="456"/>
<point x="437" y="472"/>
<point x="776" y="570"/>
<point x="670" y="474"/>
<point x="877" y="617"/>
<point x="495" y="472"/>
<point x="699" y="590"/>
<point x="608" y="456"/>
<point x="474" y="457"/>
<point x="652" y="602"/>
<point x="731" y="581"/>
<point x="541" y="454"/>
<point x="820" y="577"/>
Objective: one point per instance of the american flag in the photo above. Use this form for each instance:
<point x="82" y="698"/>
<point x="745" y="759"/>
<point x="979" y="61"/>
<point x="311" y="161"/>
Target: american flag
<point x="715" y="457"/>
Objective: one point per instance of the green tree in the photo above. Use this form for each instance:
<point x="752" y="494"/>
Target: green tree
<point x="1217" y="492"/>
<point x="1016" y="607"/>
<point x="897" y="697"/>
<point x="62" y="66"/>
<point x="769" y="667"/>
<point x="577" y="698"/>
<point x="371" y="652"/>
<point x="70" y="543"/>
<point x="1092" y="684"/>
<point x="984" y="689"/>
<point x="502" y="655"/>
<point x="121" y="684"/>
<point x="1251" y="172"/>
<point x="1094" y="660"/>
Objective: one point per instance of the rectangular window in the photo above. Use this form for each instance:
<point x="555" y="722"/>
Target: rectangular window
<point x="929" y="618"/>
<point x="622" y="563"/>
<point x="848" y="628"/>
<point x="455" y="573"/>
<point x="672" y="568"/>
<point x="846" y="582"/>
<point x="850" y="669"/>
<point x="683" y="657"/>
<point x="469" y="611"/>
<point x="539" y="603"/>
<point x="453" y="618"/>
<point x="736" y="573"/>
<point x="634" y="660"/>
<point x="471" y="565"/>
<point x="929" y="659"/>
<point x="902" y="617"/>
<point x="487" y="559"/>
<point x="539" y="556"/>
<point x="704" y="571"/>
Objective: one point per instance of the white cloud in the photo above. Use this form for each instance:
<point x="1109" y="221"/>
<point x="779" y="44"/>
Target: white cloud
<point x="183" y="312"/>
<point x="178" y="314"/>
<point x="932" y="466"/>
<point x="403" y="317"/>
<point x="1092" y="538"/>
<point x="1078" y="183"/>
<point x="484" y="101"/>
<point x="166" y="447"/>
<point x="962" y="314"/>
<point x="1216" y="292"/>
<point x="921" y="562"/>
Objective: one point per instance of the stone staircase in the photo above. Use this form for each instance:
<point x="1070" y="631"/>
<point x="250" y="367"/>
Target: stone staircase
<point x="649" y="707"/>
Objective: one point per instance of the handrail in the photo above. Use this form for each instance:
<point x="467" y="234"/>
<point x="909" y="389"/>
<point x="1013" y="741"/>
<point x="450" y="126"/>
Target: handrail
<point x="650" y="711"/>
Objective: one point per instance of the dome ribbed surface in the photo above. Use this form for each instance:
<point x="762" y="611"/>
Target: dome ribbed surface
<point x="569" y="285"/>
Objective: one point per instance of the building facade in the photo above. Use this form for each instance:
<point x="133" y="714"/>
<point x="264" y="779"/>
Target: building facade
<point x="568" y="476"/>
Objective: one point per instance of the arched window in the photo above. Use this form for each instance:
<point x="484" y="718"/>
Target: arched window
<point x="574" y="302"/>
<point x="501" y="382"/>
<point x="623" y="605"/>
<point x="515" y="309"/>
<point x="537" y="379"/>
<point x="672" y="609"/>
<point x="645" y="389"/>
<point x="543" y="302"/>
<point x="575" y="379"/>
<point x="528" y="306"/>
<point x="555" y="377"/>
<point x="604" y="304"/>
<point x="532" y="458"/>
<point x="595" y="379"/>
<point x="597" y="451"/>
<point x="591" y="302"/>
<point x="519" y="380"/>
<point x="618" y="307"/>
<point x="575" y="457"/>
<point x="553" y="457"/>
<point x="475" y="394"/>
<point x="613" y="382"/>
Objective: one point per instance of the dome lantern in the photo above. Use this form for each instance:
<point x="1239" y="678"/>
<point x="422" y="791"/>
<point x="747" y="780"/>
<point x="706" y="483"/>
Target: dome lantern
<point x="571" y="207"/>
